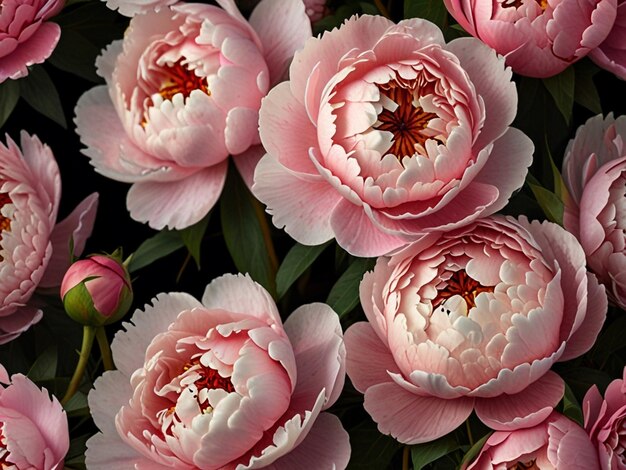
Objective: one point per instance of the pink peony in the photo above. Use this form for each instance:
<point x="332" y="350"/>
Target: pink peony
<point x="183" y="92"/>
<point x="33" y="426"/>
<point x="34" y="249"/>
<point x="594" y="171"/>
<point x="385" y="132"/>
<point x="605" y="421"/>
<point x="611" y="54"/>
<point x="539" y="38"/>
<point x="222" y="384"/>
<point x="472" y="320"/>
<point x="555" y="444"/>
<point x="26" y="38"/>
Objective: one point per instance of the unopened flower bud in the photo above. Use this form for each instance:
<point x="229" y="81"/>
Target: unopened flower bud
<point x="97" y="291"/>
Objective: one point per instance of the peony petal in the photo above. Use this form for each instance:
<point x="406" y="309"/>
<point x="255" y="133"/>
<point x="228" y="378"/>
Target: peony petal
<point x="283" y="27"/>
<point x="34" y="51"/>
<point x="413" y="419"/>
<point x="18" y="322"/>
<point x="525" y="409"/>
<point x="177" y="204"/>
<point x="315" y="334"/>
<point x="246" y="163"/>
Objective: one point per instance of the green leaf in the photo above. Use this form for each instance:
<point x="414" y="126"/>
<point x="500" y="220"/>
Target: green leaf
<point x="344" y="295"/>
<point x="561" y="87"/>
<point x="585" y="91"/>
<point x="40" y="93"/>
<point x="9" y="94"/>
<point x="45" y="366"/>
<point x="611" y="340"/>
<point x="549" y="202"/>
<point x="571" y="407"/>
<point x="77" y="405"/>
<point x="423" y="454"/>
<point x="431" y="10"/>
<point x="371" y="450"/>
<point x="474" y="450"/>
<point x="243" y="232"/>
<point x="159" y="246"/>
<point x="77" y="55"/>
<point x="299" y="258"/>
<point x="192" y="237"/>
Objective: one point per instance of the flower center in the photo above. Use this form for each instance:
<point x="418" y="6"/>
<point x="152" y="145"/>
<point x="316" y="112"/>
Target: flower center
<point x="179" y="79"/>
<point x="4" y="453"/>
<point x="518" y="3"/>
<point x="5" y="222"/>
<point x="530" y="465"/>
<point x="461" y="284"/>
<point x="404" y="118"/>
<point x="209" y="378"/>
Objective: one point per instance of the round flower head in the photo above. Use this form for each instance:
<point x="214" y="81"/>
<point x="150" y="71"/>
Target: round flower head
<point x="472" y="320"/>
<point x="222" y="384"/>
<point x="183" y="91"/>
<point x="34" y="249"/>
<point x="539" y="38"/>
<point x="605" y="421"/>
<point x="385" y="132"/>
<point x="26" y="37"/>
<point x="555" y="444"/>
<point x="33" y="426"/>
<point x="594" y="171"/>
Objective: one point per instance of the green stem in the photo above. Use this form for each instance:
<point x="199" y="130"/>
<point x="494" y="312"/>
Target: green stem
<point x="89" y="332"/>
<point x="267" y="237"/>
<point x="405" y="457"/>
<point x="469" y="432"/>
<point x="105" y="349"/>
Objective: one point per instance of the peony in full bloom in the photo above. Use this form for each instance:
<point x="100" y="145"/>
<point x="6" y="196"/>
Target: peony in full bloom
<point x="557" y="443"/>
<point x="539" y="38"/>
<point x="183" y="91"/>
<point x="472" y="320"/>
<point x="605" y="421"/>
<point x="222" y="384"/>
<point x="385" y="132"/>
<point x="34" y="248"/>
<point x="33" y="426"/>
<point x="594" y="172"/>
<point x="26" y="35"/>
<point x="611" y="54"/>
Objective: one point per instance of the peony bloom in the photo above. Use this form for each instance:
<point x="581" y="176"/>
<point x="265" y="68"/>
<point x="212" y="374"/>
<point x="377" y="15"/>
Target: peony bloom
<point x="26" y="37"/>
<point x="222" y="384"/>
<point x="605" y="421"/>
<point x="183" y="92"/>
<point x="555" y="444"/>
<point x="539" y="38"/>
<point x="594" y="171"/>
<point x="611" y="54"/>
<point x="472" y="320"/>
<point x="97" y="290"/>
<point x="33" y="426"/>
<point x="385" y="132"/>
<point x="34" y="249"/>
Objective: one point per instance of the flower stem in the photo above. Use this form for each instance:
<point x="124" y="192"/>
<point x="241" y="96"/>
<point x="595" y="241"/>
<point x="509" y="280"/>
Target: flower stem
<point x="89" y="333"/>
<point x="267" y="237"/>
<point x="405" y="457"/>
<point x="382" y="8"/>
<point x="469" y="432"/>
<point x="105" y="349"/>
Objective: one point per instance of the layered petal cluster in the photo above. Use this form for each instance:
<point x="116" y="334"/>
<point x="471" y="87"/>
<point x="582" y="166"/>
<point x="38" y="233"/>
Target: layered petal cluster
<point x="183" y="91"/>
<point x="385" y="132"/>
<point x="222" y="384"/>
<point x="594" y="171"/>
<point x="555" y="444"/>
<point x="34" y="248"/>
<point x="539" y="38"/>
<point x="26" y="35"/>
<point x="33" y="426"/>
<point x="605" y="421"/>
<point x="611" y="54"/>
<point x="472" y="320"/>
